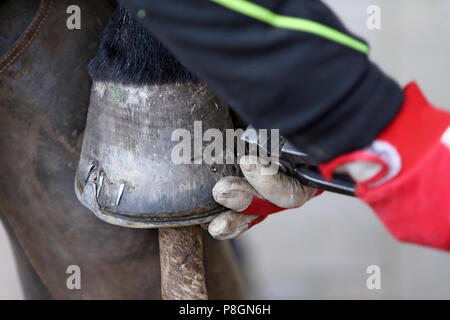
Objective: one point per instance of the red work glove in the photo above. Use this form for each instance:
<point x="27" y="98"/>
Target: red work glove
<point x="404" y="176"/>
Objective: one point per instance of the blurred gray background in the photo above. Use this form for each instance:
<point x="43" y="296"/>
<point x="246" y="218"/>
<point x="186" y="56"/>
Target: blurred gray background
<point x="323" y="249"/>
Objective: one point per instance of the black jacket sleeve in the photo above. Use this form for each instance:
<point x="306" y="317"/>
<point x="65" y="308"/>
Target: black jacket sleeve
<point x="286" y="64"/>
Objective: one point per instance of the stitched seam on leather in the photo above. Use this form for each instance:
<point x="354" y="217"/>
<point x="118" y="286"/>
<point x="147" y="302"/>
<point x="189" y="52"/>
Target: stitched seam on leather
<point x="26" y="33"/>
<point x="37" y="22"/>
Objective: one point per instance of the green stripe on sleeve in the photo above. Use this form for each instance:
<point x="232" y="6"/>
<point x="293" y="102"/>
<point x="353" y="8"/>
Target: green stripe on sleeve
<point x="257" y="12"/>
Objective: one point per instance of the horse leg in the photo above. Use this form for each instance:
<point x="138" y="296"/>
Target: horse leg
<point x="44" y="95"/>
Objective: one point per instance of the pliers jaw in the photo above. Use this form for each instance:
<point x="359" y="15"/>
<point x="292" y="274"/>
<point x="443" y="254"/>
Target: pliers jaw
<point x="296" y="163"/>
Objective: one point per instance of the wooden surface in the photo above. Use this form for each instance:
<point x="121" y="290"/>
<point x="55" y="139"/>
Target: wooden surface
<point x="182" y="267"/>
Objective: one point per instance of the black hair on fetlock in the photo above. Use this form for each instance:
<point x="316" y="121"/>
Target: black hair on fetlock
<point x="130" y="54"/>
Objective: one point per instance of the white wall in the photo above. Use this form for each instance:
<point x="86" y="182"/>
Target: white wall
<point x="9" y="280"/>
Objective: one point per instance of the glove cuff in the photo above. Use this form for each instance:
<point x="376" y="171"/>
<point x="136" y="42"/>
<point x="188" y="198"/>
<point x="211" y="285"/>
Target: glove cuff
<point x="410" y="192"/>
<point x="416" y="129"/>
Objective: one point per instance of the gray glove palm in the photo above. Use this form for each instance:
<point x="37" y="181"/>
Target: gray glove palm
<point x="260" y="189"/>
